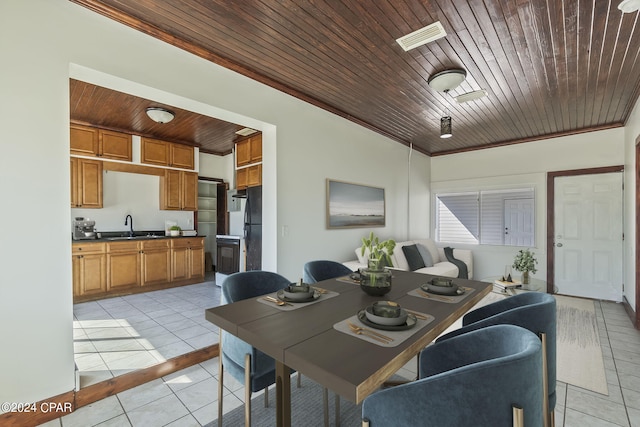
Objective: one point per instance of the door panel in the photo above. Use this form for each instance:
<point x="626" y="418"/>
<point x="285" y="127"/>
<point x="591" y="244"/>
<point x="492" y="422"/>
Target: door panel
<point x="588" y="236"/>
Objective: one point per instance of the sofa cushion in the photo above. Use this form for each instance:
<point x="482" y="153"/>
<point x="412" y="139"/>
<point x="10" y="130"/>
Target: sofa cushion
<point x="432" y="248"/>
<point x="398" y="258"/>
<point x="425" y="254"/>
<point x="440" y="269"/>
<point x="414" y="259"/>
<point x="362" y="259"/>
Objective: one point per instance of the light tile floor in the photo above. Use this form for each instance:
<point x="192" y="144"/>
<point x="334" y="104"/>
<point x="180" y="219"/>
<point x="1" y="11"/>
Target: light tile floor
<point x="189" y="397"/>
<point x="117" y="335"/>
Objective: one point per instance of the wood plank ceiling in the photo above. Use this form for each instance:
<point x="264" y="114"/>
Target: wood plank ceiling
<point x="550" y="67"/>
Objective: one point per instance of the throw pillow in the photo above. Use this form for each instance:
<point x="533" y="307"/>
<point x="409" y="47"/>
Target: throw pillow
<point x="425" y="254"/>
<point x="414" y="259"/>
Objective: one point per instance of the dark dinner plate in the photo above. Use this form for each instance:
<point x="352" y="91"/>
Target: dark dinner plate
<point x="411" y="322"/>
<point x="442" y="290"/>
<point x="281" y="297"/>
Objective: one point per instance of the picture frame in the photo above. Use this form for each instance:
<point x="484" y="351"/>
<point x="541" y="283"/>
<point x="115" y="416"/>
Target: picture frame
<point x="351" y="205"/>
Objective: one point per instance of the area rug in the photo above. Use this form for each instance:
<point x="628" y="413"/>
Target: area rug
<point x="306" y="409"/>
<point x="579" y="355"/>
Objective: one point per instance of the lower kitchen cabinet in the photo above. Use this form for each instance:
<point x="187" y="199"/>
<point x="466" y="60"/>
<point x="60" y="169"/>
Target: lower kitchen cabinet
<point x="89" y="263"/>
<point x="156" y="262"/>
<point x="123" y="265"/>
<point x="187" y="258"/>
<point x="102" y="269"/>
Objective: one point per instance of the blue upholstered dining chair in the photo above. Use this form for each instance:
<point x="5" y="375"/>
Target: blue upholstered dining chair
<point x="245" y="363"/>
<point x="489" y="377"/>
<point x="534" y="311"/>
<point x="313" y="272"/>
<point x="317" y="271"/>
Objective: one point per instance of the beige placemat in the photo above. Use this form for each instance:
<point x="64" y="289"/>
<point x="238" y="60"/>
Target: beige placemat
<point x="454" y="299"/>
<point x="398" y="337"/>
<point x="347" y="279"/>
<point x="289" y="306"/>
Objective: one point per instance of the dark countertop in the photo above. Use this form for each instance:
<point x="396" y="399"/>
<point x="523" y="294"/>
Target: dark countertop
<point x="119" y="236"/>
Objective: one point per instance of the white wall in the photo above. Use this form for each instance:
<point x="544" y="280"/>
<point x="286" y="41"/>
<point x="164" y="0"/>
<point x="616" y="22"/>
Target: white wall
<point x="132" y="194"/>
<point x="632" y="133"/>
<point x="523" y="165"/>
<point x="42" y="44"/>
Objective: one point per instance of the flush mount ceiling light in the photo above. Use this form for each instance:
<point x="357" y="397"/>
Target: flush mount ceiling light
<point x="446" y="80"/>
<point x="445" y="127"/>
<point x="471" y="96"/>
<point x="160" y="115"/>
<point x="246" y="132"/>
<point x="629" y="6"/>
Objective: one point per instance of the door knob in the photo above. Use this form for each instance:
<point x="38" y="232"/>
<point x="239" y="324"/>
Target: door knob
<point x="559" y="245"/>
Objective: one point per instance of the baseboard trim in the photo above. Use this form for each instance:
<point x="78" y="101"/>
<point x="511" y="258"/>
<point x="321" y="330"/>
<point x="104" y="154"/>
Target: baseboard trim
<point x="68" y="402"/>
<point x="630" y="312"/>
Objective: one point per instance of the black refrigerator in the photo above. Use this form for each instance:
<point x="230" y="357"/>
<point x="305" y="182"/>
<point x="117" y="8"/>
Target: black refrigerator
<point x="253" y="228"/>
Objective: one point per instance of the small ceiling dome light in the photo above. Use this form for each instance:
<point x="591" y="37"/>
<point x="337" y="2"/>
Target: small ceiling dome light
<point x="445" y="127"/>
<point x="160" y="115"/>
<point x="629" y="6"/>
<point x="447" y="80"/>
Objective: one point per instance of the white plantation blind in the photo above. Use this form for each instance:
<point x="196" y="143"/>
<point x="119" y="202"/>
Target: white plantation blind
<point x="457" y="218"/>
<point x="487" y="217"/>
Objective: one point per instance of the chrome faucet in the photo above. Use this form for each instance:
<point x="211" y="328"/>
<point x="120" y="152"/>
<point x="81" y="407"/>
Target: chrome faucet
<point x="130" y="224"/>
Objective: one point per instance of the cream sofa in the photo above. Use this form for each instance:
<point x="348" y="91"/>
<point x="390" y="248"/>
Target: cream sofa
<point x="441" y="267"/>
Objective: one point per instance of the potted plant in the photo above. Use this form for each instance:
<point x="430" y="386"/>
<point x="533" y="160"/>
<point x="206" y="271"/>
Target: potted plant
<point x="525" y="262"/>
<point x="379" y="251"/>
<point x="175" y="230"/>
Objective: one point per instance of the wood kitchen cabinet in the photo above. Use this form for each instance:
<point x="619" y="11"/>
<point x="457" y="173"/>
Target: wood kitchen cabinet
<point x="86" y="183"/>
<point x="105" y="269"/>
<point x="249" y="150"/>
<point x="123" y="265"/>
<point x="89" y="141"/>
<point x="187" y="258"/>
<point x="250" y="176"/>
<point x="89" y="264"/>
<point x="155" y="261"/>
<point x="179" y="190"/>
<point x="164" y="153"/>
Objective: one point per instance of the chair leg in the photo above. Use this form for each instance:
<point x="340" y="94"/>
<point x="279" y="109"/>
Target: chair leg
<point x="266" y="397"/>
<point x="220" y="379"/>
<point x="247" y="390"/>
<point x="325" y="405"/>
<point x="337" y="410"/>
<point x="545" y="382"/>
<point x="552" y="418"/>
<point x="518" y="417"/>
<point x="299" y="380"/>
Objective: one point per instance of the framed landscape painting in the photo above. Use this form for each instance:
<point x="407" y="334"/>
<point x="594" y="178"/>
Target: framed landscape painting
<point x="354" y="205"/>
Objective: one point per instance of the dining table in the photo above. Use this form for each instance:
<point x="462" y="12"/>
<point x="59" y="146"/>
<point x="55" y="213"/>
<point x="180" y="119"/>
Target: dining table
<point x="314" y="339"/>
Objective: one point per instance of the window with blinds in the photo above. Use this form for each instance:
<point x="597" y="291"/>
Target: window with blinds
<point x="491" y="217"/>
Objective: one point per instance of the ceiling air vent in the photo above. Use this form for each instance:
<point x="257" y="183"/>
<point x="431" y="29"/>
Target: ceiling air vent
<point x="422" y="36"/>
<point x="246" y="132"/>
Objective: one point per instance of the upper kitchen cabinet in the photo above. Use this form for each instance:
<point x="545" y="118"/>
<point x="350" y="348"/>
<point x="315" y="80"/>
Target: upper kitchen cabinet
<point x="179" y="190"/>
<point x="89" y="141"/>
<point x="249" y="151"/>
<point x="86" y="183"/>
<point x="163" y="153"/>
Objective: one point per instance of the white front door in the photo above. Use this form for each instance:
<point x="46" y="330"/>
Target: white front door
<point x="588" y="236"/>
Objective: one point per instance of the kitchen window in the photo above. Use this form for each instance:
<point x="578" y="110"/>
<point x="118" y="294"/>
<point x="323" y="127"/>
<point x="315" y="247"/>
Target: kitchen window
<point x="487" y="217"/>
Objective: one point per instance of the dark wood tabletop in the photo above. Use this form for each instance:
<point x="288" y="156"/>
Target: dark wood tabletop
<point x="305" y="340"/>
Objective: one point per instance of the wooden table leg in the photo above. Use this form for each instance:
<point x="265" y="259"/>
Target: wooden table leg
<point x="283" y="395"/>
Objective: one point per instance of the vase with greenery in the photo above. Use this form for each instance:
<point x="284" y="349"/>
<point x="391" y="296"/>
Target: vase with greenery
<point x="375" y="279"/>
<point x="525" y="262"/>
<point x="379" y="251"/>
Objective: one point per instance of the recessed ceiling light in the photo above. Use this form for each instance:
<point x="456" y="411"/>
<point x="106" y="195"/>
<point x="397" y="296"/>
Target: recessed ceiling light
<point x="629" y="6"/>
<point x="422" y="36"/>
<point x="446" y="80"/>
<point x="160" y="115"/>
<point x="471" y="96"/>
